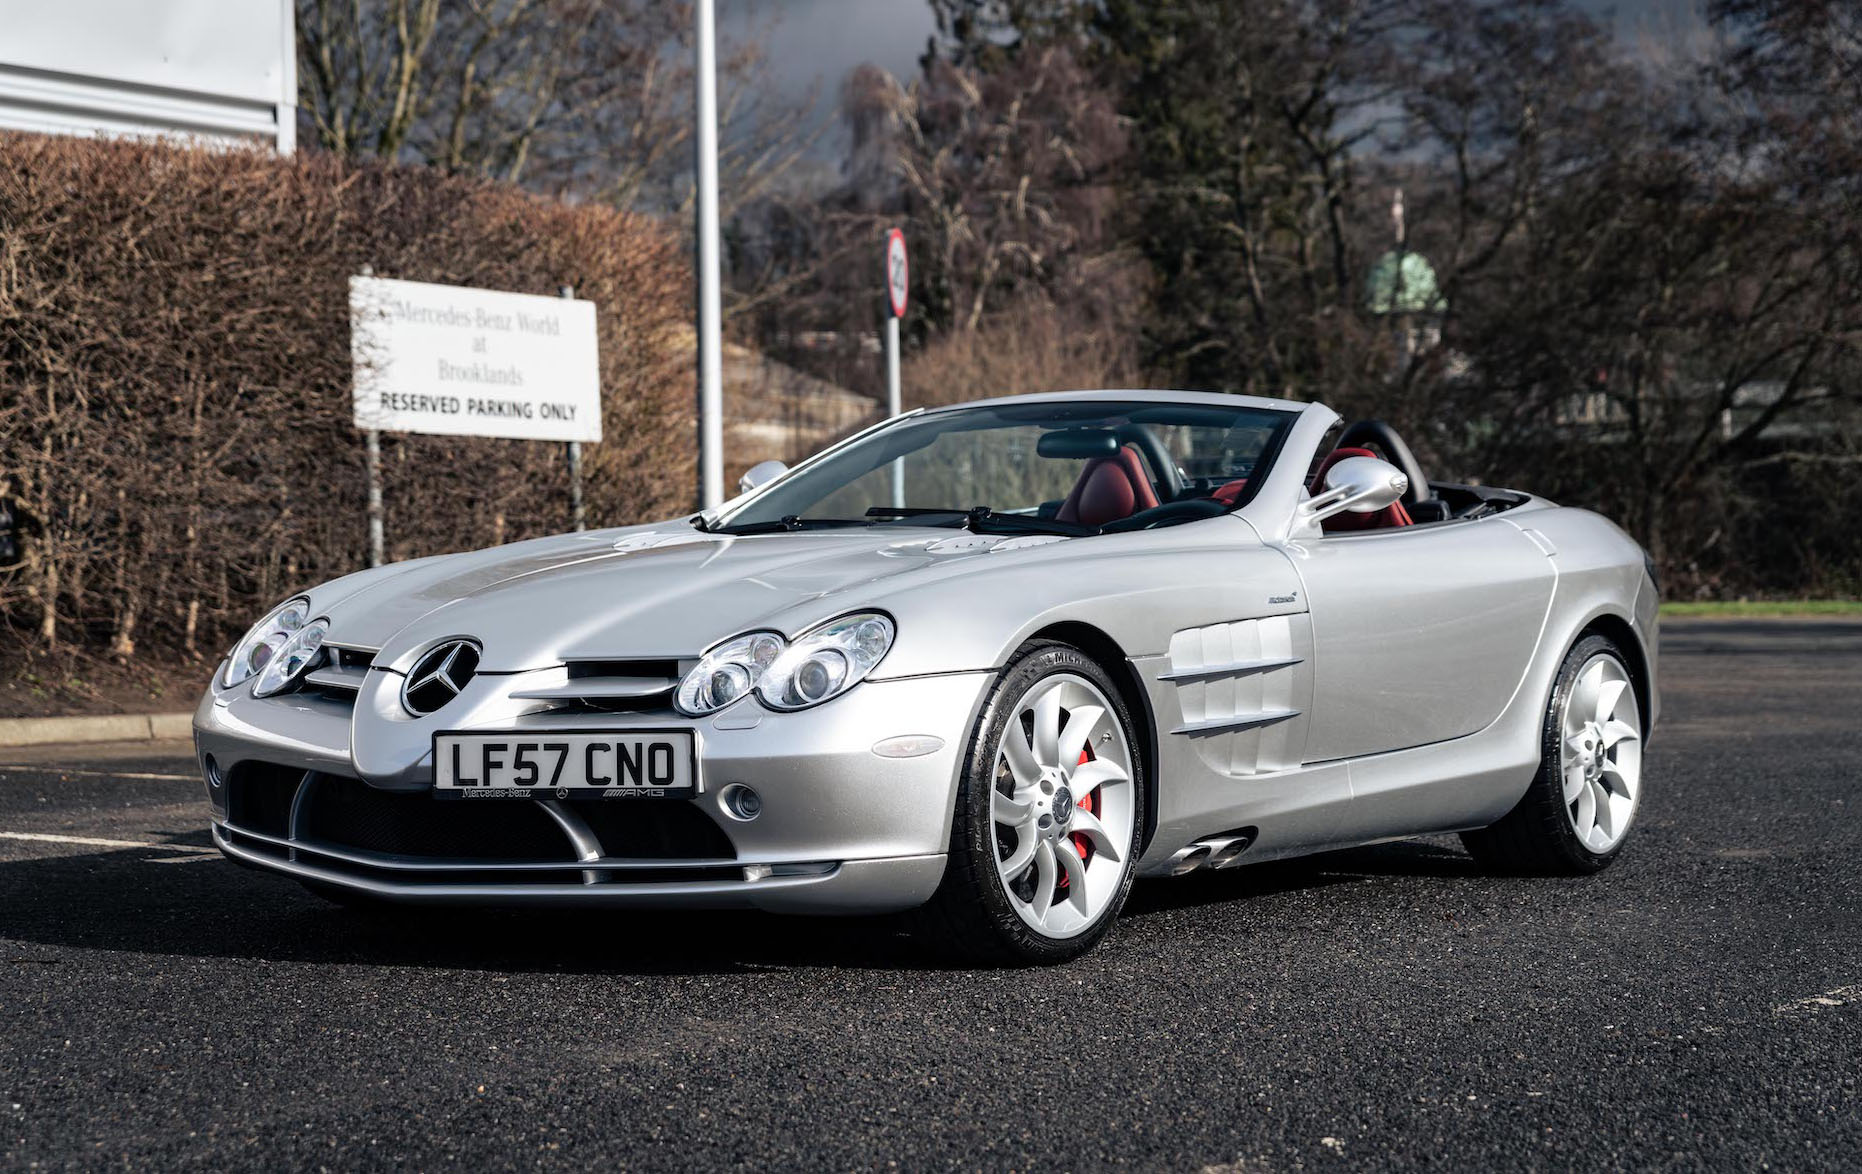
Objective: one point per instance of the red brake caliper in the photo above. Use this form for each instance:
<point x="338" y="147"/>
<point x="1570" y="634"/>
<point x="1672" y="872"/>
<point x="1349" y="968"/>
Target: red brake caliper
<point x="1086" y="803"/>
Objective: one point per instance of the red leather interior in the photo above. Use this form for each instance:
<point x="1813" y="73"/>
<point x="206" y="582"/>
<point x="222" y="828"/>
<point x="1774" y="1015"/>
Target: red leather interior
<point x="1391" y="515"/>
<point x="1231" y="493"/>
<point x="1109" y="488"/>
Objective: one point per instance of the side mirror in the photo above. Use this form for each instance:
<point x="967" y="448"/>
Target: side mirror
<point x="760" y="474"/>
<point x="1362" y="485"/>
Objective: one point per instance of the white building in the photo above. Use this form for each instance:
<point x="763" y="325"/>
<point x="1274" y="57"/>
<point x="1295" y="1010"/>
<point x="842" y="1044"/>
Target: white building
<point x="221" y="71"/>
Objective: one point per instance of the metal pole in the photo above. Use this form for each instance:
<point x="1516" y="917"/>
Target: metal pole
<point x="576" y="509"/>
<point x="372" y="447"/>
<point x="893" y="404"/>
<point x="376" y="555"/>
<point x="710" y="303"/>
<point x="577" y="512"/>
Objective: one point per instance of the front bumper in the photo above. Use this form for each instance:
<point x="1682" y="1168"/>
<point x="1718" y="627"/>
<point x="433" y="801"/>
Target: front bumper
<point x="340" y="795"/>
<point x="853" y="886"/>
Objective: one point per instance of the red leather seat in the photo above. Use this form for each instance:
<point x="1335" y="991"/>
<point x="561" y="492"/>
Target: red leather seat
<point x="1391" y="515"/>
<point x="1231" y="493"/>
<point x="1109" y="488"/>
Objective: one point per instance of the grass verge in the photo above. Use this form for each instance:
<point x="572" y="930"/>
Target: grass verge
<point x="1742" y="608"/>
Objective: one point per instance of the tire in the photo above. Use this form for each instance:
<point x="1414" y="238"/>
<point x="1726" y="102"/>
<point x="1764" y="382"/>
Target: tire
<point x="1020" y="833"/>
<point x="1580" y="807"/>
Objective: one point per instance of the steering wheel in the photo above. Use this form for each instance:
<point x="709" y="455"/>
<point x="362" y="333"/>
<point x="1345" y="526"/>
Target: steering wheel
<point x="1169" y="480"/>
<point x="1375" y="432"/>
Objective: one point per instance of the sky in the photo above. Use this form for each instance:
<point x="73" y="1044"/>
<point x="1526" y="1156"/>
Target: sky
<point x="815" y="42"/>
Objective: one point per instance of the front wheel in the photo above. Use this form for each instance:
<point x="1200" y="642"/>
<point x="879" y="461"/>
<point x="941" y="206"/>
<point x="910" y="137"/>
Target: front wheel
<point x="1045" y="838"/>
<point x="1576" y="814"/>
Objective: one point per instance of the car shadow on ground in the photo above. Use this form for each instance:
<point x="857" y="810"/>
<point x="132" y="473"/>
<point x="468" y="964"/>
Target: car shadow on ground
<point x="1406" y="858"/>
<point x="146" y="903"/>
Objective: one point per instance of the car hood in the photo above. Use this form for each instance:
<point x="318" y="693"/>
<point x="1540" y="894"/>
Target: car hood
<point x="657" y="593"/>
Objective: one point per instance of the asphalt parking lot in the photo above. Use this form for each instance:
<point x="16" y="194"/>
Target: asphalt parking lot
<point x="1699" y="1005"/>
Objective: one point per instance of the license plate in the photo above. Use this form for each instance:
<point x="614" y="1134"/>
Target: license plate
<point x="585" y="764"/>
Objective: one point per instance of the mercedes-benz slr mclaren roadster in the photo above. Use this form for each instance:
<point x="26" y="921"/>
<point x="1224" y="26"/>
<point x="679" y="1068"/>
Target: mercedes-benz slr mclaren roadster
<point x="988" y="662"/>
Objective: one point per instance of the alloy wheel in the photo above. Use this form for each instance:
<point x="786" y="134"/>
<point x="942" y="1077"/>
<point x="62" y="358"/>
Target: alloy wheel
<point x="1063" y="805"/>
<point x="1600" y="760"/>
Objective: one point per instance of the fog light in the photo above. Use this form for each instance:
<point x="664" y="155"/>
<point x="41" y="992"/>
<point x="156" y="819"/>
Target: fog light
<point x="211" y="769"/>
<point x="740" y="802"/>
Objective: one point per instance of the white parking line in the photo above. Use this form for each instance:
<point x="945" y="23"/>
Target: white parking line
<point x="1841" y="996"/>
<point x="42" y="769"/>
<point x="93" y="842"/>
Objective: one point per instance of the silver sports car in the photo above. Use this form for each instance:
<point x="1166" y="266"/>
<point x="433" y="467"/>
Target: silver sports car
<point x="988" y="662"/>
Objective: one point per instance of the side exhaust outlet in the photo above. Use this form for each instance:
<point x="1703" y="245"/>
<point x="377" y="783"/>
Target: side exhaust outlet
<point x="1220" y="851"/>
<point x="1189" y="859"/>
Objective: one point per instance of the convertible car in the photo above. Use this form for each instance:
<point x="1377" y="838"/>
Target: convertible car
<point x="987" y="663"/>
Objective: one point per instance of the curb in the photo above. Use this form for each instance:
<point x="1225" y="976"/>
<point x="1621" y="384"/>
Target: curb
<point x="123" y="727"/>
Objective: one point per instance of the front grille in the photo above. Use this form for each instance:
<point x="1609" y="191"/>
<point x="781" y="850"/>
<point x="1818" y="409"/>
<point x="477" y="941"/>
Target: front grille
<point x="345" y="813"/>
<point x="396" y="829"/>
<point x="340" y="675"/>
<point x="651" y="829"/>
<point x="668" y="669"/>
<point x="609" y="686"/>
<point x="258" y="797"/>
<point x="623" y="686"/>
<point x="644" y="707"/>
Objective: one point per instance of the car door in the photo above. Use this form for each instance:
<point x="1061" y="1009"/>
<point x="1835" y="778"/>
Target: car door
<point x="1420" y="633"/>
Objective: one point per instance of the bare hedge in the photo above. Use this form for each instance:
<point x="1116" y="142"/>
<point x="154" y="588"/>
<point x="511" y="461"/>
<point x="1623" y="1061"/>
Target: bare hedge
<point x="175" y="432"/>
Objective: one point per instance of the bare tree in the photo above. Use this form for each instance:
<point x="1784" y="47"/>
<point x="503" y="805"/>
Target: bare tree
<point x="1248" y="131"/>
<point x="589" y="97"/>
<point x="1652" y="272"/>
<point x="363" y="71"/>
<point x="1007" y="177"/>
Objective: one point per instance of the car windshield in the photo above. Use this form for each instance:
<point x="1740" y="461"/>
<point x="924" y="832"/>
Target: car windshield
<point x="1067" y="467"/>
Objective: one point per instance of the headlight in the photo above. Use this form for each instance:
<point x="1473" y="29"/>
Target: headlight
<point x="727" y="672"/>
<point x="257" y="647"/>
<point x="827" y="662"/>
<point x="292" y="658"/>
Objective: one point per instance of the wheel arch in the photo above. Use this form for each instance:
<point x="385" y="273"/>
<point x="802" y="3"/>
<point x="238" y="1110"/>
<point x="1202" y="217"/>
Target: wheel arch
<point x="1095" y="643"/>
<point x="1620" y="632"/>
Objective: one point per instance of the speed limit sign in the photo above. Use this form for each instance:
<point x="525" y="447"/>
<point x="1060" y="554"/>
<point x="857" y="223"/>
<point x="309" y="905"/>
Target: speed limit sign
<point x="898" y="272"/>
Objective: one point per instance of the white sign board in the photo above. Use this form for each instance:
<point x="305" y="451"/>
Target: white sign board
<point x="455" y="361"/>
<point x="217" y="70"/>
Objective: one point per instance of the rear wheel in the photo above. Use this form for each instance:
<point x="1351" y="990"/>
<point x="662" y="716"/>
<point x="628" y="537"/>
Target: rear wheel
<point x="1045" y="837"/>
<point x="1576" y="814"/>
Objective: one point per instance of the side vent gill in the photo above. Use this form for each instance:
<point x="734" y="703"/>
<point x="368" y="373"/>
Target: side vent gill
<point x="1236" y="684"/>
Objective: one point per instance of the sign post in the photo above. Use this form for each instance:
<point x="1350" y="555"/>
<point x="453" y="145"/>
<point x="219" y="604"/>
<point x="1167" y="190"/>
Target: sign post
<point x="372" y="448"/>
<point x="710" y="302"/>
<point x="452" y="361"/>
<point x="577" y="514"/>
<point x="377" y="538"/>
<point x="898" y="289"/>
